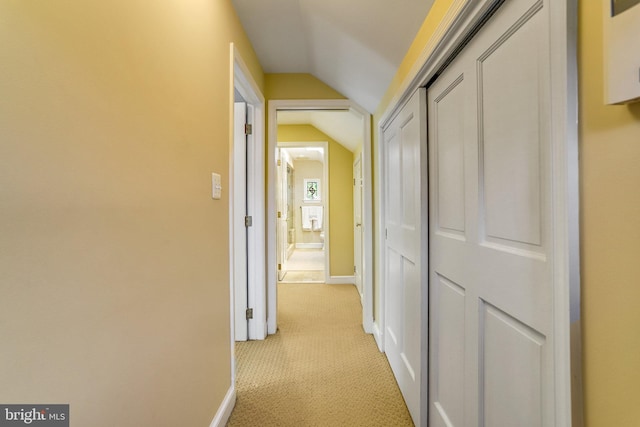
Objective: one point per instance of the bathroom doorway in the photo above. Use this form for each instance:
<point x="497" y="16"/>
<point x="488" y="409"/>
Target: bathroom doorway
<point x="302" y="220"/>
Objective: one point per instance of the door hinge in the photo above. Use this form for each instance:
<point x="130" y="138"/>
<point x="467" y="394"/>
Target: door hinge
<point x="249" y="313"/>
<point x="279" y="267"/>
<point x="248" y="221"/>
<point x="279" y="214"/>
<point x="248" y="129"/>
<point x="354" y="181"/>
<point x="354" y="269"/>
<point x="386" y="233"/>
<point x="279" y="162"/>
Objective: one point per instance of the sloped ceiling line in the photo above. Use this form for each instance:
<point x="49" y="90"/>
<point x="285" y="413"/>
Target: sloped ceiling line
<point x="344" y="127"/>
<point x="354" y="46"/>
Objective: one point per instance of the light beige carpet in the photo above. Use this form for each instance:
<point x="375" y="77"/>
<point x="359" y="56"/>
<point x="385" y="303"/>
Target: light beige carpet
<point x="320" y="369"/>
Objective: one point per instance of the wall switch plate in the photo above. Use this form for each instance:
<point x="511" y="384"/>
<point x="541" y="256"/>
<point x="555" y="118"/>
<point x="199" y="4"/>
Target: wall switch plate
<point x="216" y="186"/>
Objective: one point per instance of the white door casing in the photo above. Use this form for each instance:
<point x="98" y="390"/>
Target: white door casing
<point x="405" y="263"/>
<point x="248" y="192"/>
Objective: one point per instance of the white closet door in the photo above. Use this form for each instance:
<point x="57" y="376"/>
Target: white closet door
<point x="491" y="310"/>
<point x="404" y="145"/>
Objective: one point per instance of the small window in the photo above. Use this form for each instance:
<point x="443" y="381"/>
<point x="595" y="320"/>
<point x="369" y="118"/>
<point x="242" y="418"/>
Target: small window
<point x="312" y="190"/>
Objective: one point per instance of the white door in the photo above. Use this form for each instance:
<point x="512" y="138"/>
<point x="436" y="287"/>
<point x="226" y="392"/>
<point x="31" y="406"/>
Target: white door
<point x="358" y="233"/>
<point x="404" y="171"/>
<point x="281" y="203"/>
<point x="240" y="268"/>
<point x="491" y="307"/>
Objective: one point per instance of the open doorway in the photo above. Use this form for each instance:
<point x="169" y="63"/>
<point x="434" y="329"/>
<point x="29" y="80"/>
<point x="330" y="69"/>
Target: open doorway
<point x="302" y="198"/>
<point x="289" y="123"/>
<point x="246" y="205"/>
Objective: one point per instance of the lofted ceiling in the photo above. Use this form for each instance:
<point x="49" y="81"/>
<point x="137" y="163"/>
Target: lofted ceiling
<point x="345" y="127"/>
<point x="354" y="46"/>
<point x="306" y="153"/>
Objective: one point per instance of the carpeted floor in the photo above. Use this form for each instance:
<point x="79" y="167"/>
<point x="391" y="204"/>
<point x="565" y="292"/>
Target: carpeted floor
<point x="320" y="369"/>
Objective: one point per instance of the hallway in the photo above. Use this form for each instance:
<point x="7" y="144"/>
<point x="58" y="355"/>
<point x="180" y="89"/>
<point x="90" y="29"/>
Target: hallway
<point x="320" y="369"/>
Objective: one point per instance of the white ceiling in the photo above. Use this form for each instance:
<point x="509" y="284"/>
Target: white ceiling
<point x="345" y="127"/>
<point x="306" y="153"/>
<point x="354" y="46"/>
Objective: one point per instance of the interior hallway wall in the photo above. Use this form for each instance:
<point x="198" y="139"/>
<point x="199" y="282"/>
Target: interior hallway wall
<point x="340" y="195"/>
<point x="610" y="233"/>
<point x="114" y="259"/>
<point x="297" y="86"/>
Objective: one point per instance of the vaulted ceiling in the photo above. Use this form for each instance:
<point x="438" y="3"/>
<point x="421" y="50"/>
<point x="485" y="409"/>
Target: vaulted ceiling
<point x="345" y="127"/>
<point x="354" y="46"/>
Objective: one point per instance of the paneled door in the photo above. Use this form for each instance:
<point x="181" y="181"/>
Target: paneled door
<point x="404" y="147"/>
<point x="240" y="210"/>
<point x="490" y="295"/>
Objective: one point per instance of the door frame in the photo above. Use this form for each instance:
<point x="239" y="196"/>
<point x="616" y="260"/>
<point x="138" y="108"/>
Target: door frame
<point x="324" y="192"/>
<point x="454" y="30"/>
<point x="318" y="104"/>
<point x="242" y="81"/>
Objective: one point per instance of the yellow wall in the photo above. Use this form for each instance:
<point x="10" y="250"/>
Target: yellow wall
<point x="114" y="262"/>
<point x="297" y="86"/>
<point x="306" y="169"/>
<point x="610" y="233"/>
<point x="610" y="226"/>
<point x="340" y="195"/>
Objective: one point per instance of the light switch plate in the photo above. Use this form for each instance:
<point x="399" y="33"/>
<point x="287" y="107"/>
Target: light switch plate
<point x="216" y="186"/>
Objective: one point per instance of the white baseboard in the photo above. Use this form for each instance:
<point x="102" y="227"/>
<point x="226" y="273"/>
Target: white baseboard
<point x="309" y="245"/>
<point x="377" y="335"/>
<point x="341" y="280"/>
<point x="225" y="409"/>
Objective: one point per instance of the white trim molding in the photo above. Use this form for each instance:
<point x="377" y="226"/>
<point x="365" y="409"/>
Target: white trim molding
<point x="564" y="131"/>
<point x="242" y="80"/>
<point x="225" y="409"/>
<point x="378" y="336"/>
<point x="340" y="280"/>
<point x="309" y="245"/>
